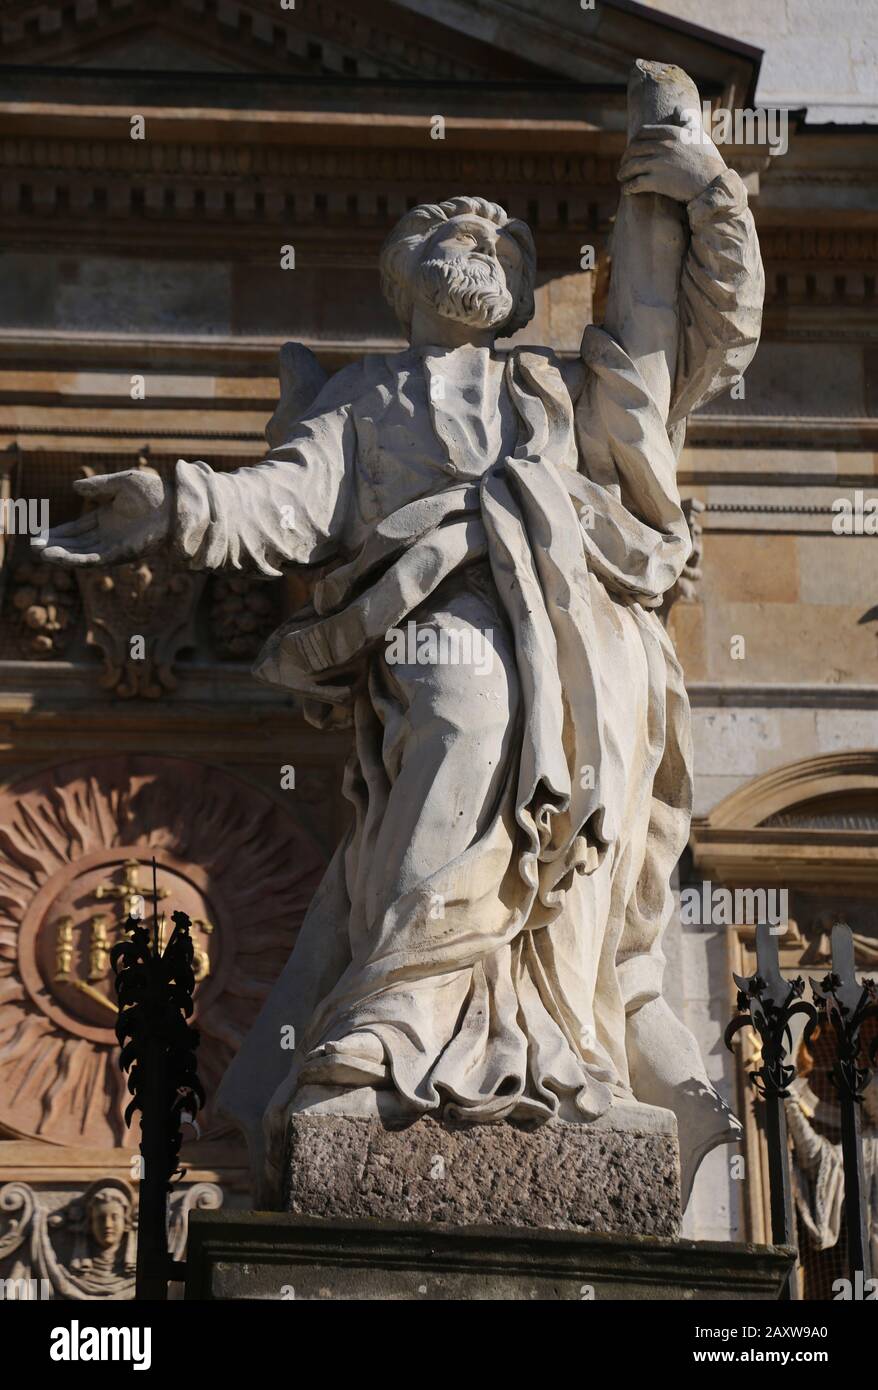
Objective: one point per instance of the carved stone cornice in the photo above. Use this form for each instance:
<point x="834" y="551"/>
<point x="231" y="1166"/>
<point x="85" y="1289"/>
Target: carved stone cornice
<point x="714" y="429"/>
<point x="781" y="857"/>
<point x="820" y="245"/>
<point x="195" y="160"/>
<point x="201" y="196"/>
<point x="252" y="195"/>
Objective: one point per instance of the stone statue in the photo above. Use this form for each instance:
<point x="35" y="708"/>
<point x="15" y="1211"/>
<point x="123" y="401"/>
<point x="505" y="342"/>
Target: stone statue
<point x="107" y="1270"/>
<point x="500" y="528"/>
<point x="817" y="1170"/>
<point x="84" y="1247"/>
<point x="81" y="1250"/>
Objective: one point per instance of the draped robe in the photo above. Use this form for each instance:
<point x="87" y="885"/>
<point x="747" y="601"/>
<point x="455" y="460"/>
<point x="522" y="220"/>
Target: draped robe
<point x="496" y="910"/>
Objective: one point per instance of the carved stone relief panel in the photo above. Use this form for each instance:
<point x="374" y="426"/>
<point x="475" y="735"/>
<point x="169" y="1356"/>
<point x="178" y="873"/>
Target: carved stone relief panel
<point x="59" y="1244"/>
<point x="76" y="844"/>
<point x="243" y="612"/>
<point x="140" y="616"/>
<point x="42" y="608"/>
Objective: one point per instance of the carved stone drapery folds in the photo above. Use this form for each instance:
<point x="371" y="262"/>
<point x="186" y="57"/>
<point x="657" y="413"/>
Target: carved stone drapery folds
<point x="63" y="1245"/>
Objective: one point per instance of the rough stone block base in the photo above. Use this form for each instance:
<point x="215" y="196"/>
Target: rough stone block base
<point x="266" y="1255"/>
<point x="617" y="1174"/>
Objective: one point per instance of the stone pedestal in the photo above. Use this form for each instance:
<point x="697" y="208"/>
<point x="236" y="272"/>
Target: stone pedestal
<point x="269" y="1256"/>
<point x="381" y="1206"/>
<point x="619" y="1173"/>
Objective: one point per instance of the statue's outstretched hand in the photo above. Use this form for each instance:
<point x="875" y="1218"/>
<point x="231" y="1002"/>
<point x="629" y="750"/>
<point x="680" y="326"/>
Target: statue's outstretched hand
<point x="131" y="516"/>
<point x="678" y="161"/>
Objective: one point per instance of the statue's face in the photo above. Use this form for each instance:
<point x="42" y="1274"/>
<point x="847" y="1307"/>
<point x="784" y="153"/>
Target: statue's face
<point x="107" y="1223"/>
<point x="470" y="270"/>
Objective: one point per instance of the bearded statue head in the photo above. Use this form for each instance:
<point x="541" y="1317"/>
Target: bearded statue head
<point x="466" y="260"/>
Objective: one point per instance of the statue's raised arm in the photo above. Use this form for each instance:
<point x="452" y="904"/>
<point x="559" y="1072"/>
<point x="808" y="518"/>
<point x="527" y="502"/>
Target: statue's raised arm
<point x="686" y="285"/>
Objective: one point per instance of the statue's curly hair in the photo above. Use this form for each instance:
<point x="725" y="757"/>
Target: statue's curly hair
<point x="400" y="252"/>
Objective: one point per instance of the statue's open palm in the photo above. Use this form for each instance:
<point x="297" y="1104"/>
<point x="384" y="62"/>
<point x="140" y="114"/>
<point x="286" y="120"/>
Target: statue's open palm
<point x="131" y="516"/>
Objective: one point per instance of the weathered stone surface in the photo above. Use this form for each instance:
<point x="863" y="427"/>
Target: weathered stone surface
<point x="261" y="1255"/>
<point x="490" y="938"/>
<point x="620" y="1173"/>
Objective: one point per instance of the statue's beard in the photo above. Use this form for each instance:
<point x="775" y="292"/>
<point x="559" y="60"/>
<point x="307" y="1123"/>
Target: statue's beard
<point x="468" y="291"/>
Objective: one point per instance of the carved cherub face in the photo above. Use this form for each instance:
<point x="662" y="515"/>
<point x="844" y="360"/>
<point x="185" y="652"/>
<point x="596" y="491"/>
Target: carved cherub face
<point x="470" y="270"/>
<point x="107" y="1220"/>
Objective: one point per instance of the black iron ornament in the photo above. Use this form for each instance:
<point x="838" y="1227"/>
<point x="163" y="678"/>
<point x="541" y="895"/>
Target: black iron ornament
<point x="154" y="987"/>
<point x="845" y="1004"/>
<point x="768" y="1002"/>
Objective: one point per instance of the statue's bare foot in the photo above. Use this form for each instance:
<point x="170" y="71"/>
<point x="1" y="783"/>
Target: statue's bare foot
<point x="357" y="1060"/>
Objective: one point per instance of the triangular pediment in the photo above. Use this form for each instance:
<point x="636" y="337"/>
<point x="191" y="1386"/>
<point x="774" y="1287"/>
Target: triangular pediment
<point x="152" y="49"/>
<point x="457" y="41"/>
<point x="334" y="38"/>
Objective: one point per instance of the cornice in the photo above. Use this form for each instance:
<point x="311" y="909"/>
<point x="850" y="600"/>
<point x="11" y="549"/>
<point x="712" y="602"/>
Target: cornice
<point x="192" y="159"/>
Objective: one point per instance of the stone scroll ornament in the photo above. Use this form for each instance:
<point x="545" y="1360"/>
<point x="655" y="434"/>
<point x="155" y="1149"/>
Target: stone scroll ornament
<point x="140" y="617"/>
<point x="82" y="1246"/>
<point x="496" y="531"/>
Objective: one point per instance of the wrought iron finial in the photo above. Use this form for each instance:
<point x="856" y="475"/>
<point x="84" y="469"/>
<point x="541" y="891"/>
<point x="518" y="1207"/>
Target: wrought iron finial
<point x="767" y="1002"/>
<point x="154" y="988"/>
<point x="845" y="1003"/>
